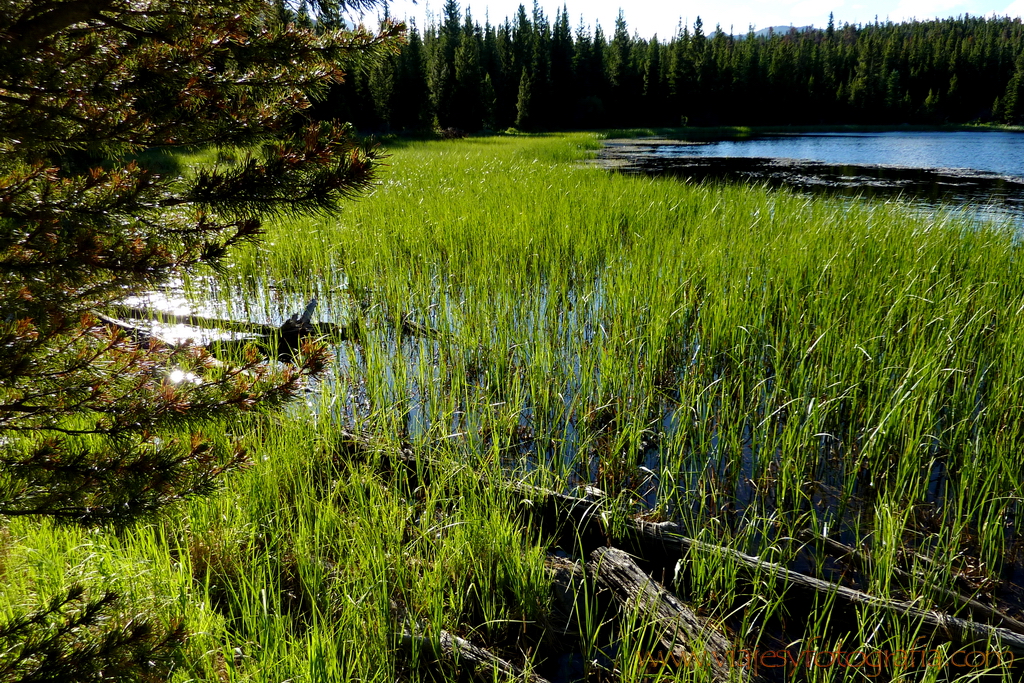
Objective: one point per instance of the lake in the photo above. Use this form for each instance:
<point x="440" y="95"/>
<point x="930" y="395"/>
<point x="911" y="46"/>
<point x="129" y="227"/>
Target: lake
<point x="995" y="152"/>
<point x="981" y="172"/>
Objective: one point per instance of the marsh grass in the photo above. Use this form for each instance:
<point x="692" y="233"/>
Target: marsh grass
<point x="747" y="362"/>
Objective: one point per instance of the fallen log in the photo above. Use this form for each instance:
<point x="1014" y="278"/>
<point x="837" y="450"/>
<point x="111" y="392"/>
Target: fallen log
<point x="666" y="541"/>
<point x="683" y="637"/>
<point x="298" y="324"/>
<point x="568" y="580"/>
<point x="960" y="632"/>
<point x="469" y="658"/>
<point x="150" y="315"/>
<point x="949" y="598"/>
<point x="289" y="334"/>
<point x="588" y="521"/>
<point x="137" y="334"/>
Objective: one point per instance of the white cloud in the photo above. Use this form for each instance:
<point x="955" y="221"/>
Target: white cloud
<point x="1014" y="10"/>
<point x="926" y="9"/>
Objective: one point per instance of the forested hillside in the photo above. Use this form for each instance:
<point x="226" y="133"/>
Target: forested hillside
<point x="537" y="72"/>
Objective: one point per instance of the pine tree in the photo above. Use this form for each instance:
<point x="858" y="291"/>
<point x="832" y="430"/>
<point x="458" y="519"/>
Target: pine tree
<point x="442" y="65"/>
<point x="489" y="102"/>
<point x="412" y="95"/>
<point x="1013" y="100"/>
<point x="681" y="78"/>
<point x="467" y="109"/>
<point x="563" y="85"/>
<point x="94" y="430"/>
<point x="654" y="96"/>
<point x="621" y="79"/>
<point x="524" y="105"/>
<point x="382" y="86"/>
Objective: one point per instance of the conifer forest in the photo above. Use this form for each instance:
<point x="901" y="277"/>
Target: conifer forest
<point x="537" y="72"/>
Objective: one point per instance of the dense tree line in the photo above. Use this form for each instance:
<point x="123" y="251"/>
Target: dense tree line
<point x="533" y="72"/>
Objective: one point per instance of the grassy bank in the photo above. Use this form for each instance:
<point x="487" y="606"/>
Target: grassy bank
<point x="747" y="362"/>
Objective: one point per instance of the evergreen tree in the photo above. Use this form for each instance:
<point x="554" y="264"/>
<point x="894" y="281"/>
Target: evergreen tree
<point x="467" y="107"/>
<point x="654" y="95"/>
<point x="303" y="18"/>
<point x="540" y="69"/>
<point x="524" y="105"/>
<point x="489" y="103"/>
<point x="412" y="94"/>
<point x="94" y="431"/>
<point x="621" y="79"/>
<point x="381" y="88"/>
<point x="1013" y="100"/>
<point x="681" y="79"/>
<point x="442" y="65"/>
<point x="871" y="74"/>
<point x="599" y="75"/>
<point x="563" y="85"/>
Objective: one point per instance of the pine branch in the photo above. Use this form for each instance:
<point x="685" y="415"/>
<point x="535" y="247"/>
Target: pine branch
<point x="73" y="639"/>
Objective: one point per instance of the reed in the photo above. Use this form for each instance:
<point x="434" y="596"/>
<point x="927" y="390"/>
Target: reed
<point x="748" y="362"/>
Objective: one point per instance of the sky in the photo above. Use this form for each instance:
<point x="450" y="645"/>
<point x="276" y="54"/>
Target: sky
<point x="648" y="17"/>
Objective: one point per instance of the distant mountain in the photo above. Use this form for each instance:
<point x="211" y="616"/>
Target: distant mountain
<point x="777" y="30"/>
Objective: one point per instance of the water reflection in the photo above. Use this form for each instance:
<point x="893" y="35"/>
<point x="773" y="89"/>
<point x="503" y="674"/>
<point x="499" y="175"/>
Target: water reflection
<point x="993" y="152"/>
<point x="981" y="173"/>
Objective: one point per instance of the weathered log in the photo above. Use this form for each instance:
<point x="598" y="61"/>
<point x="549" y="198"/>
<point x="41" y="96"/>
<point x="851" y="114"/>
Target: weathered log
<point x="684" y="637"/>
<point x="290" y="333"/>
<point x="415" y="329"/>
<point x="137" y="334"/>
<point x="960" y="632"/>
<point x="296" y="324"/>
<point x="149" y="315"/>
<point x="568" y="580"/>
<point x="949" y="598"/>
<point x="667" y="540"/>
<point x="472" y="659"/>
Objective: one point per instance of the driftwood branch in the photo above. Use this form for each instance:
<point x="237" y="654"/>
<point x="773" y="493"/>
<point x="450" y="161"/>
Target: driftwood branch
<point x="667" y="540"/>
<point x="958" y="631"/>
<point x="945" y="596"/>
<point x="290" y="333"/>
<point x="294" y="324"/>
<point x="137" y="334"/>
<point x="568" y="580"/>
<point x="684" y="636"/>
<point x="586" y="518"/>
<point x="471" y="659"/>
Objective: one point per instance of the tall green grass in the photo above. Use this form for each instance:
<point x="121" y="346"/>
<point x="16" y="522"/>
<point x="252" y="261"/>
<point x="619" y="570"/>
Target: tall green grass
<point x="745" y="361"/>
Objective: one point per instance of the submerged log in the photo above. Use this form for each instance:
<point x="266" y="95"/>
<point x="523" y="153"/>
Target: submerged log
<point x="275" y="342"/>
<point x="282" y="341"/>
<point x="944" y="596"/>
<point x="684" y="638"/>
<point x="960" y="632"/>
<point x="191" y="320"/>
<point x="666" y="540"/>
<point x="137" y="334"/>
<point x="297" y="325"/>
<point x="469" y="658"/>
<point x="568" y="580"/>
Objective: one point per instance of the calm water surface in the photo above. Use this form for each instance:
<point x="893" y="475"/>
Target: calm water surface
<point x="978" y="172"/>
<point x="999" y="152"/>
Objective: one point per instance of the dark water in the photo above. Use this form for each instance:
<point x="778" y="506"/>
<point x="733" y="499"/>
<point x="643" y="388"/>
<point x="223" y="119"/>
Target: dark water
<point x="981" y="172"/>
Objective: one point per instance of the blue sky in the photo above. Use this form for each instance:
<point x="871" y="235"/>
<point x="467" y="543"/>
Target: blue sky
<point x="662" y="16"/>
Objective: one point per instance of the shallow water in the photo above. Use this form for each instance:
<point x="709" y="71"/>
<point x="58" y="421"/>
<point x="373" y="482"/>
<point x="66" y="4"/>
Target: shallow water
<point x="978" y="173"/>
<point x="996" y="152"/>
